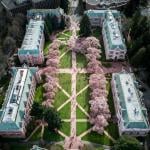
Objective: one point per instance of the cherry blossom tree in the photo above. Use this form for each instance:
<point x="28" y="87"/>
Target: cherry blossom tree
<point x="91" y="42"/>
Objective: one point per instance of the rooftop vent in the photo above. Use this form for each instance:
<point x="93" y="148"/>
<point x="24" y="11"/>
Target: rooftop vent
<point x="129" y="99"/>
<point x="10" y="111"/>
<point x="129" y="90"/>
<point x="127" y="82"/>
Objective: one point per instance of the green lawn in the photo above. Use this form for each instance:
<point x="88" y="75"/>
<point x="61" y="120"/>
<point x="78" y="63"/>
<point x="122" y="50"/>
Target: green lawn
<point x="65" y="111"/>
<point x="81" y="61"/>
<point x="36" y="136"/>
<point x="97" y="138"/>
<point x="110" y="99"/>
<point x="82" y="81"/>
<point x="68" y="33"/>
<point x="83" y="100"/>
<point x="46" y="47"/>
<point x="112" y="129"/>
<point x="66" y="37"/>
<point x="66" y="60"/>
<point x="65" y="128"/>
<point x="65" y="82"/>
<point x="80" y="114"/>
<point x="60" y="98"/>
<point x="39" y="93"/>
<point x="82" y="127"/>
<point x="63" y="49"/>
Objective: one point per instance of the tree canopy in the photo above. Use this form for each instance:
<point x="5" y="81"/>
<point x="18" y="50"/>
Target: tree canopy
<point x="65" y="5"/>
<point x="49" y="115"/>
<point x="85" y="27"/>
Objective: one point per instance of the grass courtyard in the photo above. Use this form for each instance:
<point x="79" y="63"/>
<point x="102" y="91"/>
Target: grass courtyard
<point x="63" y="105"/>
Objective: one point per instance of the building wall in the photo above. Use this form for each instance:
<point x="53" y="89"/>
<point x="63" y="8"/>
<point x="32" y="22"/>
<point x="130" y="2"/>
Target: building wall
<point x="106" y="5"/>
<point x="96" y="21"/>
<point x="46" y="4"/>
<point x="31" y="59"/>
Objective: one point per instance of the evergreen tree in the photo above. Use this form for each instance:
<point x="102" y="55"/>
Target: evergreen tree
<point x="62" y="24"/>
<point x="48" y="24"/>
<point x="55" y="23"/>
<point x="131" y="7"/>
<point x="37" y="111"/>
<point x="138" y="58"/>
<point x="127" y="143"/>
<point x="141" y="27"/>
<point x="147" y="56"/>
<point x="85" y="27"/>
<point x="51" y="116"/>
<point x="80" y="7"/>
<point x="65" y="5"/>
<point x="136" y="44"/>
<point x="9" y="45"/>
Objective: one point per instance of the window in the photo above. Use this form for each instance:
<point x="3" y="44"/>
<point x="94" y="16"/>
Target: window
<point x="121" y="56"/>
<point x="111" y="52"/>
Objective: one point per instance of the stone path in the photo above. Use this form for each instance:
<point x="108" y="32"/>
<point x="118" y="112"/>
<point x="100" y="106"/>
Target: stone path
<point x="73" y="100"/>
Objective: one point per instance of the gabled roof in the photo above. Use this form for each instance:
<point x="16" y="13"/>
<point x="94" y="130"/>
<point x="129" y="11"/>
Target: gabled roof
<point x="101" y="13"/>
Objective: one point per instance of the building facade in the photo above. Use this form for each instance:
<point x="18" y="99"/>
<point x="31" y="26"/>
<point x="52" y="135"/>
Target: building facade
<point x="97" y="17"/>
<point x="21" y="6"/>
<point x="101" y="4"/>
<point x="130" y="111"/>
<point x="38" y="4"/>
<point x="16" y="6"/>
<point x="14" y="115"/>
<point x="114" y="43"/>
<point x="31" y="51"/>
<point x="32" y="13"/>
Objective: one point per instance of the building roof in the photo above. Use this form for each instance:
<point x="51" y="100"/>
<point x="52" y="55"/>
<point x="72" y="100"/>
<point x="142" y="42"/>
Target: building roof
<point x="101" y="13"/>
<point x="32" y="37"/>
<point x="113" y="33"/>
<point x="13" y="110"/>
<point x="37" y="1"/>
<point x="105" y="2"/>
<point x="12" y="4"/>
<point x="134" y="113"/>
<point x="34" y="12"/>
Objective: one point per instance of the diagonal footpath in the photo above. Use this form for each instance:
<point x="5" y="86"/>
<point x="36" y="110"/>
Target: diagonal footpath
<point x="63" y="54"/>
<point x="82" y="90"/>
<point x="65" y="103"/>
<point x="66" y="93"/>
<point x="83" y="110"/>
<point x="86" y="132"/>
